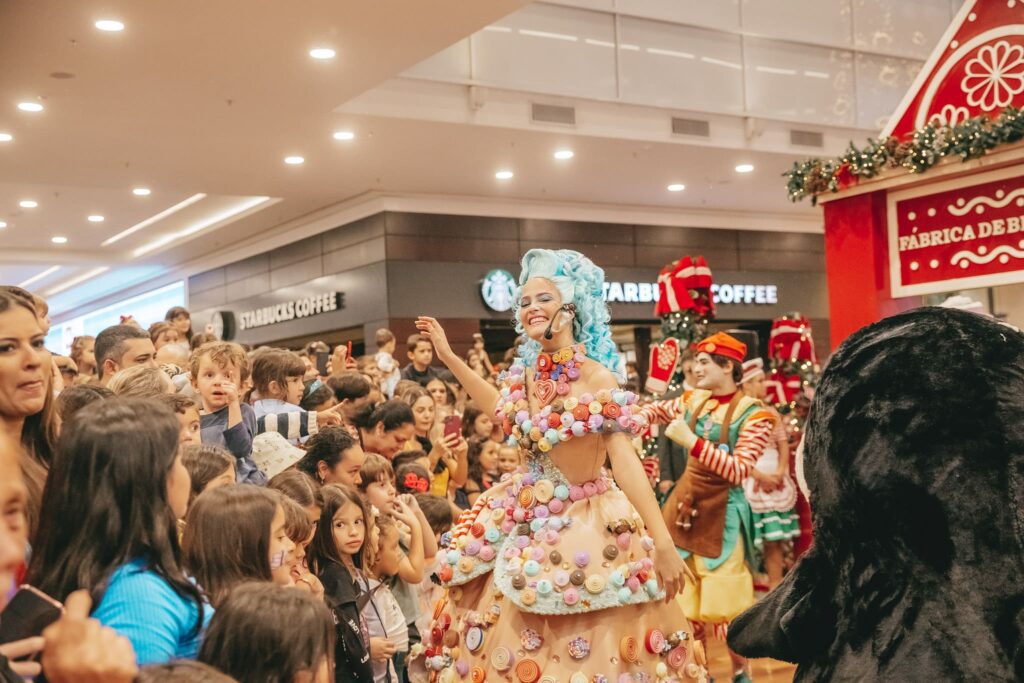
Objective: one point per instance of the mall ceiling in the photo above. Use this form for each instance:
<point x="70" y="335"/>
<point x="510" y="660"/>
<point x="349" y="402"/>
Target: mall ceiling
<point x="164" y="143"/>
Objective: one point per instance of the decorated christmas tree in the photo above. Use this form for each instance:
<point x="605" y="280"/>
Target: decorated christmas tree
<point x="793" y="371"/>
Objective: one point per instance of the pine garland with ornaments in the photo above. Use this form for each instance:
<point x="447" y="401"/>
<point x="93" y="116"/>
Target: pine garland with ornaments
<point x="928" y="146"/>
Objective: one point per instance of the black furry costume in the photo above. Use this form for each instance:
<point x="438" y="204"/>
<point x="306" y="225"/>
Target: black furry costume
<point x="914" y="458"/>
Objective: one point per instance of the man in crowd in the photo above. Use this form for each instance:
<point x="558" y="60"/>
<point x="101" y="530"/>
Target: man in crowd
<point x="122" y="346"/>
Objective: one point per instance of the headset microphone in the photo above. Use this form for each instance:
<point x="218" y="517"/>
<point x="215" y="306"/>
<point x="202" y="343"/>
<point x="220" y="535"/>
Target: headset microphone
<point x="565" y="307"/>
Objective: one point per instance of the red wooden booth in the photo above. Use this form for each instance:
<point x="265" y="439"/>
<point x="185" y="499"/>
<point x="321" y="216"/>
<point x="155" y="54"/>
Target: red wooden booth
<point x="936" y="205"/>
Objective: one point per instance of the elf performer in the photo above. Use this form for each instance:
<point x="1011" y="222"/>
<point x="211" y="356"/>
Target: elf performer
<point x="708" y="516"/>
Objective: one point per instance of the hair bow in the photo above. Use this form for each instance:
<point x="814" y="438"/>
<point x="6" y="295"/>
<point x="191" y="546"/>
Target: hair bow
<point x="414" y="482"/>
<point x="313" y="386"/>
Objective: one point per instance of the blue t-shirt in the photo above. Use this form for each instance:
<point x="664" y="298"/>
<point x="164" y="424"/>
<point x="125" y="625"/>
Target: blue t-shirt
<point x="141" y="606"/>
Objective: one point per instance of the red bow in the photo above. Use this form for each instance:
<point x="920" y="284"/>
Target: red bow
<point x="414" y="482"/>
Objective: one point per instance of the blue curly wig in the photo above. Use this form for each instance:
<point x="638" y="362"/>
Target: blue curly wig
<point x="581" y="283"/>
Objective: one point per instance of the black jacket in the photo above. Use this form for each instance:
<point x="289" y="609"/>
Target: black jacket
<point x="352" y="650"/>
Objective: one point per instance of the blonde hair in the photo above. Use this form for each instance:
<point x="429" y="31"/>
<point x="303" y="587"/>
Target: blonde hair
<point x="140" y="381"/>
<point x="221" y="353"/>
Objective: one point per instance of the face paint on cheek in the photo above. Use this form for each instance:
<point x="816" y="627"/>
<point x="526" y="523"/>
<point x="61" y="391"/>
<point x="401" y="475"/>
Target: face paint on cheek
<point x="277" y="559"/>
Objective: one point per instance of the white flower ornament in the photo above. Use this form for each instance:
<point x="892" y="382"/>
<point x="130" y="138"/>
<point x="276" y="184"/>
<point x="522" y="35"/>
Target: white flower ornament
<point x="995" y="76"/>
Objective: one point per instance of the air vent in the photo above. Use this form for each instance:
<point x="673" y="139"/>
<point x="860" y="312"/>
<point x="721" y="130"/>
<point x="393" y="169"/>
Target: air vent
<point x="550" y="113"/>
<point x="806" y="138"/>
<point x="701" y="129"/>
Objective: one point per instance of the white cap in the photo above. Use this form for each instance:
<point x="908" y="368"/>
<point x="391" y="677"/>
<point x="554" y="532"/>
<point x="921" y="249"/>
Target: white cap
<point x="273" y="454"/>
<point x="751" y="369"/>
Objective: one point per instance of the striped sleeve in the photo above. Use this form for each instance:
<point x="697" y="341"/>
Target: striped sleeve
<point x="290" y="425"/>
<point x="735" y="467"/>
<point x="663" y="412"/>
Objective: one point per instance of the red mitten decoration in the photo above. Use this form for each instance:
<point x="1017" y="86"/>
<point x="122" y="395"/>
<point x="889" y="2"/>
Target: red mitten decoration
<point x="664" y="357"/>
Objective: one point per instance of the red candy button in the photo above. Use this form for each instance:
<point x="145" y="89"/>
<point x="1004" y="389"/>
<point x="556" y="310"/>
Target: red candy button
<point x="677" y="658"/>
<point x="654" y="641"/>
<point x="477" y="529"/>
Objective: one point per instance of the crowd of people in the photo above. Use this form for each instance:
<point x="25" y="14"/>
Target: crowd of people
<point x="202" y="510"/>
<point x="162" y="485"/>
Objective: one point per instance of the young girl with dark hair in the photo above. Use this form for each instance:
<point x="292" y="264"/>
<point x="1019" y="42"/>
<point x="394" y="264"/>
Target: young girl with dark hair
<point x="300" y="530"/>
<point x="235" y="534"/>
<point x="483" y="467"/>
<point x="384" y="428"/>
<point x="337" y="556"/>
<point x="384" y="617"/>
<point x="262" y="634"/>
<point x="333" y="456"/>
<point x="209" y="467"/>
<point x="109" y="524"/>
<point x="301" y="488"/>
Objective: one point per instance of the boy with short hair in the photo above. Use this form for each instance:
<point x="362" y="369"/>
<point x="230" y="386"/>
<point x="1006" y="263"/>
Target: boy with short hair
<point x="218" y="370"/>
<point x="420" y="352"/>
<point x="187" y="412"/>
<point x="391" y="374"/>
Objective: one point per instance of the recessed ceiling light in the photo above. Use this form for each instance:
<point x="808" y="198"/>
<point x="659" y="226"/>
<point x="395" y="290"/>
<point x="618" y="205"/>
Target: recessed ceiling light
<point x="95" y="218"/>
<point x="3" y="224"/>
<point x="504" y="175"/>
<point x="141" y="191"/>
<point x="563" y="154"/>
<point x="30" y="106"/>
<point x="676" y="187"/>
<point x="109" y="25"/>
<point x="28" y="203"/>
<point x="344" y="135"/>
<point x="294" y="161"/>
<point x="6" y="137"/>
<point x="322" y="53"/>
<point x="59" y="240"/>
<point x="744" y="168"/>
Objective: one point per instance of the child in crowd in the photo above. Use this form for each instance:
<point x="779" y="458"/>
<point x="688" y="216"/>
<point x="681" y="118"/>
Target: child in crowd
<point x="73" y="399"/>
<point x="509" y="459"/>
<point x="336" y="556"/>
<point x="476" y="422"/>
<point x="300" y="488"/>
<point x="209" y="466"/>
<point x="142" y="381"/>
<point x="333" y="457"/>
<point x="483" y="467"/>
<point x="222" y="553"/>
<point x="385" y="359"/>
<point x="383" y="615"/>
<point x="300" y="530"/>
<point x="277" y="379"/>
<point x="187" y="412"/>
<point x="218" y="369"/>
<point x="420" y="353"/>
<point x="412" y="477"/>
<point x="317" y="396"/>
<point x="262" y="633"/>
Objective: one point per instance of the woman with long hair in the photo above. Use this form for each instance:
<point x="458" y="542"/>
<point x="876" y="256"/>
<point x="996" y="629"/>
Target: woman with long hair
<point x="83" y="353"/>
<point x="115" y="491"/>
<point x="577" y="559"/>
<point x="27" y="405"/>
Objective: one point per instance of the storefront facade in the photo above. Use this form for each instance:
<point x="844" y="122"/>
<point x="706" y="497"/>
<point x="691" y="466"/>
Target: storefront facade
<point x="386" y="269"/>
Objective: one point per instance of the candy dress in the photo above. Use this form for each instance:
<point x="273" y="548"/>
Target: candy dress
<point x="550" y="579"/>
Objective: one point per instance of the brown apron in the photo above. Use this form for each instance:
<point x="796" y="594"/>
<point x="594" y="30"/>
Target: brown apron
<point x="695" y="510"/>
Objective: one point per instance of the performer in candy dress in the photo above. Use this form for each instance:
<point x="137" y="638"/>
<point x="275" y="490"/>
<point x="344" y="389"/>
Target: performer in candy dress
<point x="724" y="432"/>
<point x="564" y="571"/>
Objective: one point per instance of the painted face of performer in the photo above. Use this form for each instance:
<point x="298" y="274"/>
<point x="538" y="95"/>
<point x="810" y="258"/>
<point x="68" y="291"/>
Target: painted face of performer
<point x="709" y="374"/>
<point x="539" y="303"/>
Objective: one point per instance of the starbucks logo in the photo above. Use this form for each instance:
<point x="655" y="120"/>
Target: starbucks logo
<point x="498" y="290"/>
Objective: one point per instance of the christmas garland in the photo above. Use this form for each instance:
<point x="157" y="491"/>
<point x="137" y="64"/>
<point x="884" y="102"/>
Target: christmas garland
<point x="929" y="145"/>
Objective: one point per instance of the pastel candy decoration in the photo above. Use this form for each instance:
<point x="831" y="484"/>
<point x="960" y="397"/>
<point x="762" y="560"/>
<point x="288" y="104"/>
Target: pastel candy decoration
<point x="573" y="373"/>
<point x="551" y="537"/>
<point x="590" y="489"/>
<point x="507" y="526"/>
<point x="632" y="583"/>
<point x="571" y="596"/>
<point x="625" y="594"/>
<point x="561" y="578"/>
<point x="567" y="419"/>
<point x="486" y="553"/>
<point x="617" y="579"/>
<point x="587" y="398"/>
<point x="462" y="668"/>
<point x="521" y="417"/>
<point x="555" y="506"/>
<point x="452" y="556"/>
<point x="473" y="548"/>
<point x="623" y="540"/>
<point x="595" y="422"/>
<point x="619" y="397"/>
<point x="562" y="388"/>
<point x="536" y="525"/>
<point x="544" y="587"/>
<point x="602" y="485"/>
<point x="582" y="559"/>
<point x="571" y="403"/>
<point x="576" y="493"/>
<point x="551" y="435"/>
<point x="492" y="535"/>
<point x="537" y="553"/>
<point x="526" y="425"/>
<point x="542" y="512"/>
<point x="561" y="492"/>
<point x="564" y="434"/>
<point x="651" y="587"/>
<point x="519" y="515"/>
<point x="532" y="568"/>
